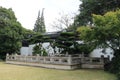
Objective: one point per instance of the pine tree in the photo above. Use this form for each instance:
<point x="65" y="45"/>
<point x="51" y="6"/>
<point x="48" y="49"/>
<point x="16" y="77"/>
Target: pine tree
<point x="40" y="23"/>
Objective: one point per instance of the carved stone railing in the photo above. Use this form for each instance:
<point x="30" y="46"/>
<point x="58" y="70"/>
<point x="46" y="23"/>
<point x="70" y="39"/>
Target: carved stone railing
<point x="53" y="60"/>
<point x="44" y="59"/>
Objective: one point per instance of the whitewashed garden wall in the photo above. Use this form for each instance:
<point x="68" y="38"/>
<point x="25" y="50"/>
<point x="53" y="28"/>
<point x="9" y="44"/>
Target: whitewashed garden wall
<point x="95" y="53"/>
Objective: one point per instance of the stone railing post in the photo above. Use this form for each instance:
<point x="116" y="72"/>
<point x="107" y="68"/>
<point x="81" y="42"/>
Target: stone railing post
<point x="15" y="56"/>
<point x="108" y="58"/>
<point x="7" y="56"/>
<point x="69" y="59"/>
<point x="102" y="60"/>
<point x="82" y="54"/>
<point x="26" y="58"/>
<point x="51" y="60"/>
<point x="37" y="58"/>
<point x="60" y="60"/>
<point x="44" y="59"/>
<point x="91" y="60"/>
<point x="82" y="57"/>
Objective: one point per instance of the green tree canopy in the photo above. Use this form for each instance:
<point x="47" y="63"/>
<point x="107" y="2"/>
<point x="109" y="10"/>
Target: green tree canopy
<point x="104" y="34"/>
<point x="89" y="7"/>
<point x="11" y="32"/>
<point x="66" y="43"/>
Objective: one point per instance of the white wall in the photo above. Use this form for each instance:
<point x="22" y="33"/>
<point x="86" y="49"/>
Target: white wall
<point x="48" y="48"/>
<point x="29" y="50"/>
<point x="95" y="53"/>
<point x="98" y="53"/>
<point x="24" y="51"/>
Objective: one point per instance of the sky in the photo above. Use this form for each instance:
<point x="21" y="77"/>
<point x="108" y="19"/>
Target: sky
<point x="26" y="11"/>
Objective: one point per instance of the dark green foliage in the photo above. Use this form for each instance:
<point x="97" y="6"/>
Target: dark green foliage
<point x="118" y="75"/>
<point x="86" y="48"/>
<point x="39" y="39"/>
<point x="104" y="34"/>
<point x="109" y="28"/>
<point x="40" y="24"/>
<point x="89" y="7"/>
<point x="65" y="42"/>
<point x="7" y="14"/>
<point x="36" y="50"/>
<point x="114" y="66"/>
<point x="28" y="33"/>
<point x="26" y="36"/>
<point x="36" y="39"/>
<point x="11" y="32"/>
<point x="44" y="53"/>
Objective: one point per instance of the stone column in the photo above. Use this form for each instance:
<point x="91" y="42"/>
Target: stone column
<point x="82" y="54"/>
<point x="82" y="57"/>
<point x="91" y="59"/>
<point x="15" y="56"/>
<point x="7" y="56"/>
<point x="69" y="59"/>
<point x="37" y="60"/>
<point x="102" y="60"/>
<point x="51" y="60"/>
<point x="44" y="59"/>
<point x="60" y="60"/>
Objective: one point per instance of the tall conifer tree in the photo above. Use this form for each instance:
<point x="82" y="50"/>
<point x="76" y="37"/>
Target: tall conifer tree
<point x="40" y="23"/>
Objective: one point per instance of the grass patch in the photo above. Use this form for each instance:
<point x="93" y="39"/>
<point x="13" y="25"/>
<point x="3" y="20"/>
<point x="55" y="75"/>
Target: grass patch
<point x="14" y="72"/>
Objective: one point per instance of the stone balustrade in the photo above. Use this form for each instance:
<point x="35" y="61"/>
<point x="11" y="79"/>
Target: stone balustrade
<point x="63" y="62"/>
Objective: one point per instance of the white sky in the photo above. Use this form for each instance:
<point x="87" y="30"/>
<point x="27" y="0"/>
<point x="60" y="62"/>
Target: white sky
<point x="26" y="11"/>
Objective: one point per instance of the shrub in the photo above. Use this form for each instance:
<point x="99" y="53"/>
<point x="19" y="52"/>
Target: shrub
<point x="36" y="50"/>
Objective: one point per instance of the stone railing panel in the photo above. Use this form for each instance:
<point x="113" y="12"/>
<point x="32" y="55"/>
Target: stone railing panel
<point x="57" y="60"/>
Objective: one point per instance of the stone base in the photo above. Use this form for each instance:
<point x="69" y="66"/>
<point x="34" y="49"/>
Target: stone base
<point x="92" y="66"/>
<point x="53" y="66"/>
<point x="59" y="66"/>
